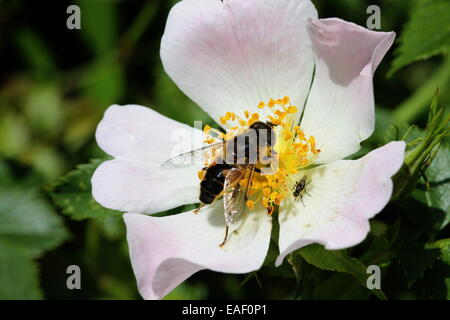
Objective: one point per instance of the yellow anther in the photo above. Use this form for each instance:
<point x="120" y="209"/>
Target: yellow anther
<point x="286" y="100"/>
<point x="228" y="116"/>
<point x="287" y="136"/>
<point x="292" y="109"/>
<point x="207" y="129"/>
<point x="281" y="115"/>
<point x="208" y="140"/>
<point x="273" y="195"/>
<point x="229" y="135"/>
<point x="201" y="174"/>
<point x="243" y="182"/>
<point x="261" y="105"/>
<point x="274" y="120"/>
<point x="250" y="204"/>
<point x="271" y="103"/>
<point x="247" y="114"/>
<point x="312" y="143"/>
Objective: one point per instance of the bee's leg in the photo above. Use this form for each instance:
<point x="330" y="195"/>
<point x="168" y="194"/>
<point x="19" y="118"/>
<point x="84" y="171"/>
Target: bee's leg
<point x="224" y="239"/>
<point x="198" y="209"/>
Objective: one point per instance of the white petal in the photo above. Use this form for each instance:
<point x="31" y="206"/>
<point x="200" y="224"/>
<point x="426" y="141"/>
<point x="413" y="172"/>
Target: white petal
<point x="143" y="187"/>
<point x="137" y="132"/>
<point x="340" y="108"/>
<point x="166" y="251"/>
<point x="141" y="140"/>
<point x="344" y="195"/>
<point x="230" y="55"/>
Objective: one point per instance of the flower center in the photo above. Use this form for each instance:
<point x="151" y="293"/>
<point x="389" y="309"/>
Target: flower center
<point x="293" y="151"/>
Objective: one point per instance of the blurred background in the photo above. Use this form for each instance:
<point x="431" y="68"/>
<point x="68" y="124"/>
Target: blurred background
<point x="55" y="84"/>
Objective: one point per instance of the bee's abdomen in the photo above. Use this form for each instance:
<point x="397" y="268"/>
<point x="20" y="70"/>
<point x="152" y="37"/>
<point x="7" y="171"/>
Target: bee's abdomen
<point x="212" y="184"/>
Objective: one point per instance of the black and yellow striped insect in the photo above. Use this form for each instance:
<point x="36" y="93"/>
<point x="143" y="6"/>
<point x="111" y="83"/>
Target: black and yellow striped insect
<point x="234" y="160"/>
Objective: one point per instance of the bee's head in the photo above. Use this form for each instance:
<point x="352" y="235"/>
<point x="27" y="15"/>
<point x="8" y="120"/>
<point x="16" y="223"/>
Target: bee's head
<point x="259" y="125"/>
<point x="271" y="124"/>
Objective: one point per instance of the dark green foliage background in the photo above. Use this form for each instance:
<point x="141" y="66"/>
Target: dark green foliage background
<point x="56" y="83"/>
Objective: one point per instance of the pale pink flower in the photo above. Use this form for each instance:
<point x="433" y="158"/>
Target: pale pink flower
<point x="231" y="55"/>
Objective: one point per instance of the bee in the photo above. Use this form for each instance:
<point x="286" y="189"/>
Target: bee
<point x="299" y="187"/>
<point x="231" y="173"/>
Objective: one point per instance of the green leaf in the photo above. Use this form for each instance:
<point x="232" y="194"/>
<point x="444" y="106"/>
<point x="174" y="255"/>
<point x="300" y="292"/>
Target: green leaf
<point x="426" y="34"/>
<point x="444" y="246"/>
<point x="438" y="176"/>
<point x="28" y="222"/>
<point x="415" y="259"/>
<point x="436" y="281"/>
<point x="73" y="194"/>
<point x="28" y="227"/>
<point x="338" y="261"/>
<point x="340" y="286"/>
<point x="18" y="274"/>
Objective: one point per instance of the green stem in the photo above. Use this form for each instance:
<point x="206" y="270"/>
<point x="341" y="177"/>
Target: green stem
<point x="419" y="101"/>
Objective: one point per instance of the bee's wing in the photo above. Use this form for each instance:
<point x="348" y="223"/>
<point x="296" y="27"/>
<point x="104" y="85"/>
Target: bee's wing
<point x="235" y="196"/>
<point x="191" y="157"/>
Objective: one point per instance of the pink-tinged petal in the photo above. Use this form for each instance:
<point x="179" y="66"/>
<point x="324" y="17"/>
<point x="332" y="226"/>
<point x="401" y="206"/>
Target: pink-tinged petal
<point x="141" y="140"/>
<point x="143" y="187"/>
<point x="340" y="109"/>
<point x="231" y="55"/>
<point x="136" y="132"/>
<point x="344" y="195"/>
<point x="166" y="251"/>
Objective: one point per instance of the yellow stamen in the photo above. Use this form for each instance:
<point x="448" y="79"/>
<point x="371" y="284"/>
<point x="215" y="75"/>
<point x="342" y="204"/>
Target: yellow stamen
<point x="294" y="151"/>
<point x="209" y="140"/>
<point x="207" y="129"/>
<point x="292" y="109"/>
